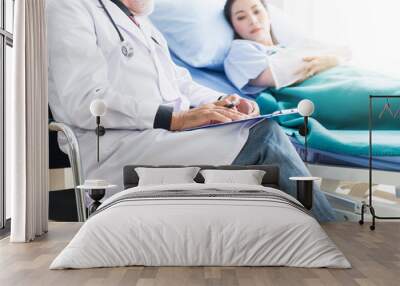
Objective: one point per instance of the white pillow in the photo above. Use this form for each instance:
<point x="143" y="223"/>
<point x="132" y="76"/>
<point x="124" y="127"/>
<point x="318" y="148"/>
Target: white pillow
<point x="197" y="32"/>
<point x="247" y="177"/>
<point x="166" y="176"/>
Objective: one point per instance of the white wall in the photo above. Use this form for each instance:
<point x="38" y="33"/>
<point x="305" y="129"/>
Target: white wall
<point x="278" y="3"/>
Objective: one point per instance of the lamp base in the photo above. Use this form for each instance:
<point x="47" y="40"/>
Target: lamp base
<point x="305" y="193"/>
<point x="302" y="130"/>
<point x="305" y="190"/>
<point x="100" y="131"/>
<point x="96" y="195"/>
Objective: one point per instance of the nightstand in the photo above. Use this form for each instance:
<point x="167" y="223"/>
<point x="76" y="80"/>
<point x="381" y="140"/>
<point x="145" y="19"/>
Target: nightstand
<point x="96" y="190"/>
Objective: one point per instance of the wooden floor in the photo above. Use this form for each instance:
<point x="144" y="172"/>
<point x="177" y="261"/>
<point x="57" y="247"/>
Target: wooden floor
<point x="375" y="257"/>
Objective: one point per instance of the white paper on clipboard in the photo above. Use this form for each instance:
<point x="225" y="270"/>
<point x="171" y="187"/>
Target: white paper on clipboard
<point x="257" y="118"/>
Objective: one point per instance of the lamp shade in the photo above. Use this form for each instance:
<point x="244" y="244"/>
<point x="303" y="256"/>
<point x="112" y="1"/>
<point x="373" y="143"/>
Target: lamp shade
<point x="306" y="107"/>
<point x="98" y="107"/>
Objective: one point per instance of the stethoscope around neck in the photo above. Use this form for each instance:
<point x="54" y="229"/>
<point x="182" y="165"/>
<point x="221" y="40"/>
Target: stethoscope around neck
<point x="126" y="48"/>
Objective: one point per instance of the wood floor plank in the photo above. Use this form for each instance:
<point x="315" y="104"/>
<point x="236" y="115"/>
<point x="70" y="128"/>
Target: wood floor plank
<point x="375" y="257"/>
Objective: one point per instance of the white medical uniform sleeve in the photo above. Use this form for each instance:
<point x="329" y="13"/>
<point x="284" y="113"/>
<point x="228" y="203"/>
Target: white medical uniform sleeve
<point x="79" y="72"/>
<point x="196" y="93"/>
<point x="245" y="61"/>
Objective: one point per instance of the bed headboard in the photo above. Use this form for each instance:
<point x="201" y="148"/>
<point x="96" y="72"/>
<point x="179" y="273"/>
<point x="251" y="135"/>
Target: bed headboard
<point x="271" y="177"/>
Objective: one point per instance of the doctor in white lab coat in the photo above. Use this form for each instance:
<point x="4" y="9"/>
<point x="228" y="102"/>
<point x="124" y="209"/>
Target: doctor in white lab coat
<point x="147" y="95"/>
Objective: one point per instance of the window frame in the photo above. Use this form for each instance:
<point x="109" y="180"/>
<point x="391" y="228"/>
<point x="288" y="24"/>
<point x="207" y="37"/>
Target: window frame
<point x="6" y="39"/>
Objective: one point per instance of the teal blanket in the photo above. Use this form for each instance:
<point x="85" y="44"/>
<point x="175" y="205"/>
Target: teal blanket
<point x="340" y="121"/>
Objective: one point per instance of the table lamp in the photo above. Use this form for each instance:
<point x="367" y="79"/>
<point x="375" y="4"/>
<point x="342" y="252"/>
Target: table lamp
<point x="306" y="109"/>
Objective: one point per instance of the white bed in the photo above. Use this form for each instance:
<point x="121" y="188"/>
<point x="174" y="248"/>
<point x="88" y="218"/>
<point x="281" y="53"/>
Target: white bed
<point x="222" y="225"/>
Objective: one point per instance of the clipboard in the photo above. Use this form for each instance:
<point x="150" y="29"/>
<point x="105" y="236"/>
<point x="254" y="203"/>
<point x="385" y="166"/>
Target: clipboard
<point x="257" y="118"/>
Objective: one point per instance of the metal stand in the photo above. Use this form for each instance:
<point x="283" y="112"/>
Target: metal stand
<point x="369" y="205"/>
<point x="100" y="131"/>
<point x="303" y="131"/>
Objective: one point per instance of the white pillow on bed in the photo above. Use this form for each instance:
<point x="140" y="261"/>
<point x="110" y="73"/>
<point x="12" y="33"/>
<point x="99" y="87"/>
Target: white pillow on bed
<point x="166" y="176"/>
<point x="246" y="177"/>
<point x="197" y="32"/>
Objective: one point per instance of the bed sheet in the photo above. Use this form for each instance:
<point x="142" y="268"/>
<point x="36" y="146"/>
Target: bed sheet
<point x="218" y="81"/>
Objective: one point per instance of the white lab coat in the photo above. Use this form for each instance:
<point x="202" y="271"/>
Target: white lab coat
<point x="85" y="63"/>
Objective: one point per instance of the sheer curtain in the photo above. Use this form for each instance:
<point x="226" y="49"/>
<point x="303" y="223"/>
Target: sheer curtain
<point x="26" y="125"/>
<point x="368" y="27"/>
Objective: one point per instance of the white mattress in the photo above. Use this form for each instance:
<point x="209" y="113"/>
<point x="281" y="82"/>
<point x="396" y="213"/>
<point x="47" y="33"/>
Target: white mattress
<point x="200" y="231"/>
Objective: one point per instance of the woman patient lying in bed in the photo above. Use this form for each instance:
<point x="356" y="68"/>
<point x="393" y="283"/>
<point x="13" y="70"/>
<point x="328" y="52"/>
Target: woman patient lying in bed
<point x="256" y="61"/>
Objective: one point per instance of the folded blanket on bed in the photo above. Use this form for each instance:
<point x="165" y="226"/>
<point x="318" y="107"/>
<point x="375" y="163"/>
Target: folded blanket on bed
<point x="341" y="98"/>
<point x="200" y="225"/>
<point x="206" y="194"/>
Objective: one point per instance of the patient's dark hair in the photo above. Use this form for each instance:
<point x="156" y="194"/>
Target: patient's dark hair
<point x="228" y="11"/>
<point x="228" y="16"/>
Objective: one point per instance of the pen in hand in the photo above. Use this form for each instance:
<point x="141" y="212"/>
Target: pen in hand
<point x="231" y="104"/>
<point x="235" y="104"/>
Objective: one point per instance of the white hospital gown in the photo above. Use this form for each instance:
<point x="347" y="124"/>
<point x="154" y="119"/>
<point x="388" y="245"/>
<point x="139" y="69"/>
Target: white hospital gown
<point x="245" y="61"/>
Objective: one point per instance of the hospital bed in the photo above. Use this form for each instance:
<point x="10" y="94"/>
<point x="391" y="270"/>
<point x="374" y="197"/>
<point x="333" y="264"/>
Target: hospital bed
<point x="325" y="164"/>
<point x="342" y="167"/>
<point x="218" y="81"/>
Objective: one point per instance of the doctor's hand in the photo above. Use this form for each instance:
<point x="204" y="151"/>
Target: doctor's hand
<point x="244" y="106"/>
<point x="315" y="65"/>
<point x="204" y="115"/>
